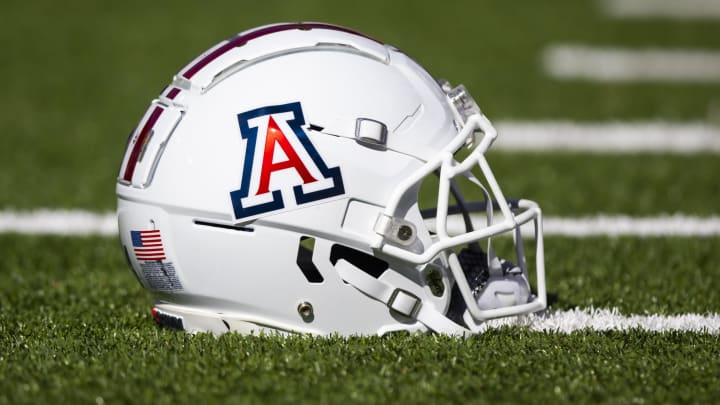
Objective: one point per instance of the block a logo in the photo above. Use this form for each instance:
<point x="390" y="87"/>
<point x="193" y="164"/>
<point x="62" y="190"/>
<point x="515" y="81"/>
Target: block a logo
<point x="282" y="168"/>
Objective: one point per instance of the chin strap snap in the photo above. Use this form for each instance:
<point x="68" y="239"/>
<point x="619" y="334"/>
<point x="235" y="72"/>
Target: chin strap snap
<point x="396" y="230"/>
<point x="398" y="300"/>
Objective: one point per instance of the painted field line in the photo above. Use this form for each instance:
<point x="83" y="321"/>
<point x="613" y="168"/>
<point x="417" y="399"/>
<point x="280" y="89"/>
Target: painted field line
<point x="614" y="137"/>
<point x="631" y="65"/>
<point x="77" y="222"/>
<point x="608" y="225"/>
<point x="610" y="319"/>
<point x="58" y="222"/>
<point x="671" y="9"/>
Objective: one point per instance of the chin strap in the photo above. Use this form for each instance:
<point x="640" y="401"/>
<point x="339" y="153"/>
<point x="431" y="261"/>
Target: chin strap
<point x="398" y="300"/>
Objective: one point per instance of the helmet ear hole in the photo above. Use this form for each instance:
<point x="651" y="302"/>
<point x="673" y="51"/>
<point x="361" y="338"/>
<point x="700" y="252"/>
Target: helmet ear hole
<point x="433" y="279"/>
<point x="363" y="261"/>
<point x="304" y="260"/>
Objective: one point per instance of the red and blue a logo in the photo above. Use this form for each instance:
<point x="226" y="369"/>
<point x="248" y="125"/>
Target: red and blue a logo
<point x="282" y="168"/>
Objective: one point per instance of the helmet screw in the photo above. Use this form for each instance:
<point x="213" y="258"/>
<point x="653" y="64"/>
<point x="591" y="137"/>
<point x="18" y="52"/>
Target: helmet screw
<point x="404" y="233"/>
<point x="305" y="309"/>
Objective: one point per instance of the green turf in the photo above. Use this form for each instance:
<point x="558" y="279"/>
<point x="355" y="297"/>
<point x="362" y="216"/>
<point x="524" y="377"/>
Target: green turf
<point x="571" y="184"/>
<point x="78" y="78"/>
<point x="75" y="325"/>
<point x="509" y="366"/>
<point x="655" y="275"/>
<point x="583" y="184"/>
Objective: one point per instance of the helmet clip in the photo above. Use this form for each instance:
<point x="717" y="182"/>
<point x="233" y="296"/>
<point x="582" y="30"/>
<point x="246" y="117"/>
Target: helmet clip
<point x="396" y="230"/>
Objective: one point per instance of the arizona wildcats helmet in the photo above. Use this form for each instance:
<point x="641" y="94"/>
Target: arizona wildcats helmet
<point x="307" y="178"/>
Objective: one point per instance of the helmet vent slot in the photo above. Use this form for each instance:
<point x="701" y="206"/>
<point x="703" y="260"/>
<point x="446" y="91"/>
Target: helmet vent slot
<point x="224" y="226"/>
<point x="304" y="260"/>
<point x="316" y="128"/>
<point x="363" y="261"/>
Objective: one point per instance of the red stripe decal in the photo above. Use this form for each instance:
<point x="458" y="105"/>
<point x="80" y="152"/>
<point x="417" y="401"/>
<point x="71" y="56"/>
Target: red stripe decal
<point x="142" y="138"/>
<point x="173" y="93"/>
<point x="241" y="40"/>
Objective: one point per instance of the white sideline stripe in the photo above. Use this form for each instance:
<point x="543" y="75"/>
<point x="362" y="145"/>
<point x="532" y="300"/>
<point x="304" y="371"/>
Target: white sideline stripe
<point x="58" y="222"/>
<point x="675" y="225"/>
<point x="77" y="222"/>
<point x="673" y="9"/>
<point x="631" y="65"/>
<point x="617" y="137"/>
<point x="609" y="319"/>
<point x="607" y="225"/>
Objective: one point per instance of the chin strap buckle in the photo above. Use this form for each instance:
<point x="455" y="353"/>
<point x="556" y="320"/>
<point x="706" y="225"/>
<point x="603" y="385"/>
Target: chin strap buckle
<point x="397" y="299"/>
<point x="404" y="303"/>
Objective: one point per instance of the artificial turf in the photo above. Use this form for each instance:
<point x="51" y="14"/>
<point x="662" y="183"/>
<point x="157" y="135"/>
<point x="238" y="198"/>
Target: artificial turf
<point x="75" y="325"/>
<point x="507" y="366"/>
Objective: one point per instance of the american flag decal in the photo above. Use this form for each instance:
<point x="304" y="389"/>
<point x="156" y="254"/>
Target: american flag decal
<point x="148" y="245"/>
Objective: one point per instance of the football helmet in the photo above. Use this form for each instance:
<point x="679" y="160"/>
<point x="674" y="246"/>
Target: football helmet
<point x="274" y="186"/>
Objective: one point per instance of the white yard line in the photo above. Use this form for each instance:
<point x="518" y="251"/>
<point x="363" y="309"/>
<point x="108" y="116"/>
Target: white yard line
<point x="77" y="222"/>
<point x="631" y="65"/>
<point x="670" y="9"/>
<point x="58" y="222"/>
<point x="614" y="137"/>
<point x="608" y="225"/>
<point x="611" y="319"/>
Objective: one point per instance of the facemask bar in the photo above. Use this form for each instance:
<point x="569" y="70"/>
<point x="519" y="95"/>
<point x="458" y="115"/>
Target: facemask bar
<point x="478" y="133"/>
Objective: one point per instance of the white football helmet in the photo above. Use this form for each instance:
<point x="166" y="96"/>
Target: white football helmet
<point x="273" y="186"/>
